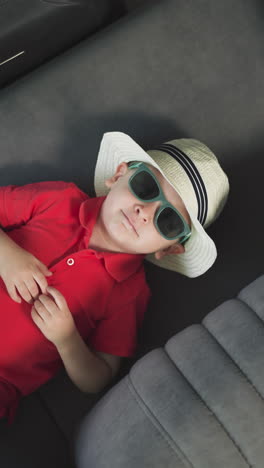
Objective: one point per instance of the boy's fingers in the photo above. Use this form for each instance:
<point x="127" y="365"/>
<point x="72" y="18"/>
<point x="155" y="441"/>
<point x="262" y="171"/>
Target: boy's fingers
<point x="57" y="296"/>
<point x="32" y="287"/>
<point x="13" y="294"/>
<point x="45" y="302"/>
<point x="41" y="280"/>
<point x="36" y="317"/>
<point x="44" y="307"/>
<point x="24" y="292"/>
<point x="44" y="269"/>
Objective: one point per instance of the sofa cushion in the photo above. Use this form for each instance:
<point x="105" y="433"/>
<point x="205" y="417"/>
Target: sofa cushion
<point x="196" y="403"/>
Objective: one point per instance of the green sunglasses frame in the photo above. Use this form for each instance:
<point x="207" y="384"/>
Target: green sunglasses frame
<point x="141" y="167"/>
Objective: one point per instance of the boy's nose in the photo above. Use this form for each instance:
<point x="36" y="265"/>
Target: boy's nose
<point x="146" y="211"/>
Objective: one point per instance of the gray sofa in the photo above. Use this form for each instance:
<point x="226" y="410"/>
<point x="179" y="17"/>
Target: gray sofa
<point x="199" y="402"/>
<point x="173" y="68"/>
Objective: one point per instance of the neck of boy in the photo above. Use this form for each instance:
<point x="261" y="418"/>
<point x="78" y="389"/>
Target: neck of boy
<point x="100" y="241"/>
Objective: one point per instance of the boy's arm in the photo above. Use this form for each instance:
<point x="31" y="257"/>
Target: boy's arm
<point x="89" y="371"/>
<point x="16" y="205"/>
<point x="21" y="272"/>
<point x="20" y="203"/>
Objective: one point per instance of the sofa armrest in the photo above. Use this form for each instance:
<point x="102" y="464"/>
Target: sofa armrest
<point x="32" y="31"/>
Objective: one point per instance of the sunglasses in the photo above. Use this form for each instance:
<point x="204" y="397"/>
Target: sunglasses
<point x="145" y="187"/>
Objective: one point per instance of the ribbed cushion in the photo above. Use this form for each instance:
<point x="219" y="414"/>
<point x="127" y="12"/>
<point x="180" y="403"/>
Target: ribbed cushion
<point x="196" y="403"/>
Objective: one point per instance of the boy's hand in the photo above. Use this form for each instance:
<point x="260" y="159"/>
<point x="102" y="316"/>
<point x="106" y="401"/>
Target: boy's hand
<point x="53" y="317"/>
<point x="23" y="274"/>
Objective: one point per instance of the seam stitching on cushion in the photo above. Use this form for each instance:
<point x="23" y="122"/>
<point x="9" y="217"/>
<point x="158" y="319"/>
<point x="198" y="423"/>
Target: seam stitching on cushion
<point x="236" y="364"/>
<point x="161" y="430"/>
<point x="251" y="309"/>
<point x="239" y="369"/>
<point x="60" y="4"/>
<point x="217" y="420"/>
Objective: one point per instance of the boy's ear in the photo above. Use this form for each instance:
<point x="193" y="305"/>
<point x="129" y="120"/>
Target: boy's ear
<point x="120" y="171"/>
<point x="174" y="249"/>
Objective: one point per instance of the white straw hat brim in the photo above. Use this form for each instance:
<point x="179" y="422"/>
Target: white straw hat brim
<point x="200" y="250"/>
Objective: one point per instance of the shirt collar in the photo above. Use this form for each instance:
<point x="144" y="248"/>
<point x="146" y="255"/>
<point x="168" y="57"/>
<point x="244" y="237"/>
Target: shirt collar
<point x="119" y="265"/>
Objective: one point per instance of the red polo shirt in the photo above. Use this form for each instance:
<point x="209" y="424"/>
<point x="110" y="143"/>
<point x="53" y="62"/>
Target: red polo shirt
<point x="106" y="292"/>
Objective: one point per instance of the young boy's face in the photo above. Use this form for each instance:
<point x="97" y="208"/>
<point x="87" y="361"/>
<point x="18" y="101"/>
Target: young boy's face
<point x="128" y="223"/>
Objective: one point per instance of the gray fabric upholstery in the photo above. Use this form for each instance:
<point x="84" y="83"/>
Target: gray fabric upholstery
<point x="32" y="31"/>
<point x="196" y="403"/>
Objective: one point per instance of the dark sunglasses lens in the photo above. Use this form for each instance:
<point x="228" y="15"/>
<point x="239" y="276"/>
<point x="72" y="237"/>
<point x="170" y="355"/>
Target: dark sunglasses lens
<point x="144" y="186"/>
<point x="169" y="223"/>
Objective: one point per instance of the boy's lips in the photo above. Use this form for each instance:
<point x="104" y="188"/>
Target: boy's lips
<point x="129" y="222"/>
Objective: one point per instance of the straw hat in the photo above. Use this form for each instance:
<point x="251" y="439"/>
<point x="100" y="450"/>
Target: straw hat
<point x="194" y="172"/>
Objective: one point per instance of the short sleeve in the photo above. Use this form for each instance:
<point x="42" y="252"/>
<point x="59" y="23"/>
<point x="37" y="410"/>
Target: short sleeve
<point x="18" y="204"/>
<point x="117" y="333"/>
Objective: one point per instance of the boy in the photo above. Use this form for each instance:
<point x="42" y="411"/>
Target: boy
<point x="73" y="266"/>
